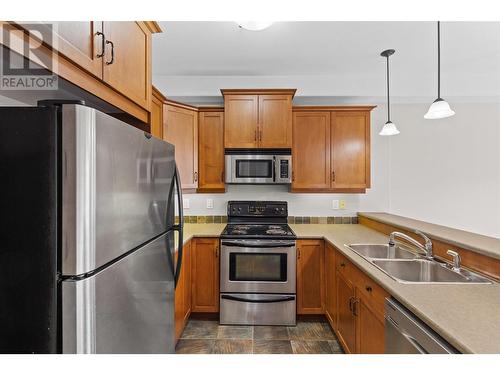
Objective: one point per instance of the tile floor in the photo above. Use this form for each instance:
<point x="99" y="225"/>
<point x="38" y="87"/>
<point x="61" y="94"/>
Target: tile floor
<point x="206" y="336"/>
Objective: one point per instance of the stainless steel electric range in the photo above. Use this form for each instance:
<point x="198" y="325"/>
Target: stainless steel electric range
<point x="258" y="260"/>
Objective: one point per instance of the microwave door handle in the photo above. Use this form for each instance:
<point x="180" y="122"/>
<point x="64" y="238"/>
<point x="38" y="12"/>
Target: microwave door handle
<point x="275" y="166"/>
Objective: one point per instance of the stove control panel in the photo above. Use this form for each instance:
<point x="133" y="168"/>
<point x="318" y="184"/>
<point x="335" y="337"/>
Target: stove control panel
<point x="256" y="208"/>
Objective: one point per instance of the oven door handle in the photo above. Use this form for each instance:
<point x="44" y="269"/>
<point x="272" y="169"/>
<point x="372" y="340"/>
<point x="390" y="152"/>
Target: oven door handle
<point x="258" y="245"/>
<point x="240" y="299"/>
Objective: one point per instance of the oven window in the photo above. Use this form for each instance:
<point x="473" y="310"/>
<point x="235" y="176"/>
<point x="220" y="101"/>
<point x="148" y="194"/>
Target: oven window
<point x="254" y="168"/>
<point x="257" y="267"/>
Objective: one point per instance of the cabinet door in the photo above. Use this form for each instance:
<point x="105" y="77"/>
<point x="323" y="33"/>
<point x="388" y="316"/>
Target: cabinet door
<point x="181" y="129"/>
<point x="275" y="121"/>
<point x="79" y="42"/>
<point x="211" y="152"/>
<point x="346" y="321"/>
<point x="350" y="150"/>
<point x="311" y="151"/>
<point x="156" y="122"/>
<point x="330" y="292"/>
<point x="370" y="329"/>
<point x="205" y="275"/>
<point x="240" y="121"/>
<point x="310" y="276"/>
<point x="129" y="72"/>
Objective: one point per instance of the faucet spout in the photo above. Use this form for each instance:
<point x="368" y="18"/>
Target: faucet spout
<point x="426" y="249"/>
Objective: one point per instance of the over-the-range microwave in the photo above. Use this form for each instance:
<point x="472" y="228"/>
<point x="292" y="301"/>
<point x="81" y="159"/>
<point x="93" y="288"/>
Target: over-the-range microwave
<point x="271" y="166"/>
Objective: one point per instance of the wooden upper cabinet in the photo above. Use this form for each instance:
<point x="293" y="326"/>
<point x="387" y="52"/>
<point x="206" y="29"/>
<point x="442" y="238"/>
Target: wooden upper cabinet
<point x="331" y="149"/>
<point x="310" y="276"/>
<point x="241" y="113"/>
<point x="127" y="64"/>
<point x="205" y="275"/>
<point x="311" y="151"/>
<point x="211" y="151"/>
<point x="350" y="149"/>
<point x="81" y="42"/>
<point x="85" y="58"/>
<point x="181" y="129"/>
<point x="156" y="117"/>
<point x="275" y="121"/>
<point x="259" y="118"/>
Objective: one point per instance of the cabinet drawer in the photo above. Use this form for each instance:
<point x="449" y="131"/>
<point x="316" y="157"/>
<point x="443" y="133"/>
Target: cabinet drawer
<point x="372" y="294"/>
<point x="345" y="267"/>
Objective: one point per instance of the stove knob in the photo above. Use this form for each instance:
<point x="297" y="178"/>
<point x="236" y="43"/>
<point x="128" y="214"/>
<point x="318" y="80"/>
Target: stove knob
<point x="277" y="209"/>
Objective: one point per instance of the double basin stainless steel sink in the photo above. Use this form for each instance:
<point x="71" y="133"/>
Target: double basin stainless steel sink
<point x="405" y="266"/>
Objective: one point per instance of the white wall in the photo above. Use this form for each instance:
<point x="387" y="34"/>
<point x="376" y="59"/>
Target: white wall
<point x="375" y="199"/>
<point x="447" y="171"/>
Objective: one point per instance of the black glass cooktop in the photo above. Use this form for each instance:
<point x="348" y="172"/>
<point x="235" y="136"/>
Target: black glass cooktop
<point x="271" y="231"/>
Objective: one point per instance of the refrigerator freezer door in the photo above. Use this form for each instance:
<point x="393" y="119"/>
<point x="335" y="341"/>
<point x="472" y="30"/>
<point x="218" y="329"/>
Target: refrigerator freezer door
<point x="128" y="307"/>
<point x="116" y="181"/>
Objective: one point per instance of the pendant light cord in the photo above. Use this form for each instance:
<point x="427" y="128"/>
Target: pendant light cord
<point x="388" y="96"/>
<point x="439" y="62"/>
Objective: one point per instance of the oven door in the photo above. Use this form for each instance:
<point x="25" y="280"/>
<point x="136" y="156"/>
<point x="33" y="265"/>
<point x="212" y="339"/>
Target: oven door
<point x="257" y="266"/>
<point x="250" y="169"/>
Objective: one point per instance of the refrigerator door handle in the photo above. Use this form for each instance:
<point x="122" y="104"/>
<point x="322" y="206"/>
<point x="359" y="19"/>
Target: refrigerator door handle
<point x="179" y="227"/>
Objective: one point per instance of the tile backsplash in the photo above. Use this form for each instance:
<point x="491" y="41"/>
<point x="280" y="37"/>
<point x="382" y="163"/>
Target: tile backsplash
<point x="291" y="219"/>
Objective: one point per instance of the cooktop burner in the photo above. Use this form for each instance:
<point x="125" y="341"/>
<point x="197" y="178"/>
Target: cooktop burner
<point x="257" y="220"/>
<point x="258" y="230"/>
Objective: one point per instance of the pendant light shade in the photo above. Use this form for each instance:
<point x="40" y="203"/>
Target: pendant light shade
<point x="389" y="127"/>
<point x="440" y="107"/>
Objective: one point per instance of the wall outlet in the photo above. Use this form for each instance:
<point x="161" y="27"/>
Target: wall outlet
<point x="185" y="203"/>
<point x="210" y="203"/>
<point x="335" y="204"/>
<point x="342" y="204"/>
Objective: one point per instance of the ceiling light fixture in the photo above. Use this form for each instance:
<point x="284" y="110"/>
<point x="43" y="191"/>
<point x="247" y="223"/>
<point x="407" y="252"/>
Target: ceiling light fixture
<point x="440" y="107"/>
<point x="389" y="127"/>
<point x="254" y="25"/>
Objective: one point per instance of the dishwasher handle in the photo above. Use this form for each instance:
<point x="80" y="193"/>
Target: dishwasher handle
<point x="393" y="326"/>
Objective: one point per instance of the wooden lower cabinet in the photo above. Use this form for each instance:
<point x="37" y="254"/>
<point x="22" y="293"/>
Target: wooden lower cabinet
<point x="346" y="321"/>
<point x="205" y="275"/>
<point x="354" y="305"/>
<point x="330" y="286"/>
<point x="370" y="329"/>
<point x="183" y="292"/>
<point x="310" y="276"/>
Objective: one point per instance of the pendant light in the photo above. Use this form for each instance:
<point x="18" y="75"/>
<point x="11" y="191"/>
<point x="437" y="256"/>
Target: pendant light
<point x="389" y="128"/>
<point x="439" y="108"/>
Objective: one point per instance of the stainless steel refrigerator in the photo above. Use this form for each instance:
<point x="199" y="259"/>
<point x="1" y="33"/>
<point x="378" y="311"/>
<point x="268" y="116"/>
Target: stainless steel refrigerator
<point x="88" y="207"/>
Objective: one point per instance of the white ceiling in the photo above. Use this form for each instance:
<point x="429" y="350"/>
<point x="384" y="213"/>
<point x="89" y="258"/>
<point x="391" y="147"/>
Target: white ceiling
<point x="328" y="59"/>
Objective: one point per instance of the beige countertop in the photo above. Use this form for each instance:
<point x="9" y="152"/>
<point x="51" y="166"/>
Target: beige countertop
<point x="467" y="316"/>
<point x="489" y="246"/>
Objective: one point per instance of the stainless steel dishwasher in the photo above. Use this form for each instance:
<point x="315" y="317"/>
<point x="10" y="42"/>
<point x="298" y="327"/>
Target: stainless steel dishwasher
<point x="406" y="334"/>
